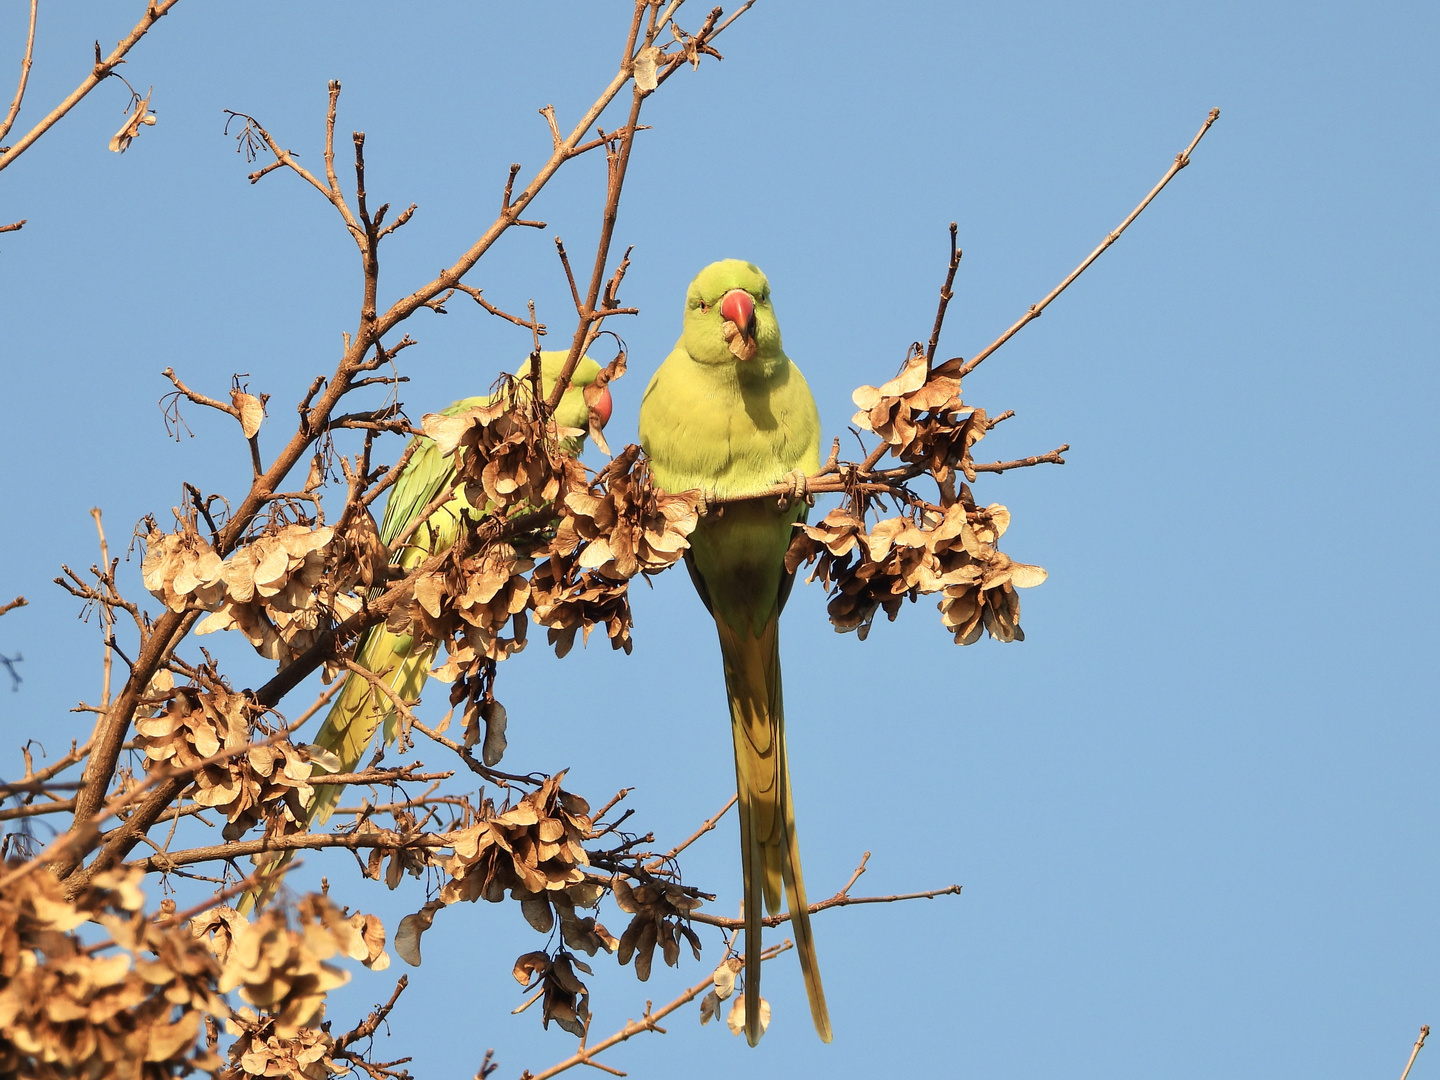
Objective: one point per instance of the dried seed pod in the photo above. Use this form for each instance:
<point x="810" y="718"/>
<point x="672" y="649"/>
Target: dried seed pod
<point x="566" y="600"/>
<point x="71" y="1009"/>
<point x="627" y="526"/>
<point x="270" y="781"/>
<point x="950" y="550"/>
<point x="533" y="848"/>
<point x="660" y="912"/>
<point x="920" y="416"/>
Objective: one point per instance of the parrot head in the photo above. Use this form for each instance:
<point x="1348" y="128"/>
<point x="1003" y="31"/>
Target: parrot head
<point x="729" y="318"/>
<point x="584" y="405"/>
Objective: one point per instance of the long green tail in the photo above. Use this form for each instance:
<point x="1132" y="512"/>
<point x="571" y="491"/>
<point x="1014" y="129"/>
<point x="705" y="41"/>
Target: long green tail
<point x="769" y="850"/>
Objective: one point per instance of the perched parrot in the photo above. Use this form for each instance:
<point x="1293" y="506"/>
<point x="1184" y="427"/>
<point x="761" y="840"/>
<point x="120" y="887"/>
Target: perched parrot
<point x="350" y="727"/>
<point x="728" y="413"/>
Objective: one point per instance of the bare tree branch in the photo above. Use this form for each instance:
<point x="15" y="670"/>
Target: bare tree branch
<point x="946" y="294"/>
<point x="236" y="849"/>
<point x="1181" y="160"/>
<point x="709" y="824"/>
<point x="372" y="1023"/>
<point x="840" y="899"/>
<point x="154" y="12"/>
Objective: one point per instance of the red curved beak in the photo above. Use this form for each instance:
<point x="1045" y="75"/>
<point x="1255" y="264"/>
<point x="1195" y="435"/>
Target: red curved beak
<point x="601" y="405"/>
<point x="739" y="308"/>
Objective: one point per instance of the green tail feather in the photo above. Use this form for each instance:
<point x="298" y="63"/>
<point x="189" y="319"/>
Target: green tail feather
<point x="349" y="730"/>
<point x="769" y="849"/>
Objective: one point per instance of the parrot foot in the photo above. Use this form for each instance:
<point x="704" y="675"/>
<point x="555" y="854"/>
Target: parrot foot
<point x="799" y="489"/>
<point x="706" y="503"/>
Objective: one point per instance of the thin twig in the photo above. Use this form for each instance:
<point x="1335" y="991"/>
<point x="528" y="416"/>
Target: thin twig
<point x="32" y="787"/>
<point x="199" y="398"/>
<point x="710" y="823"/>
<point x="474" y="763"/>
<point x="107" y="615"/>
<point x="425" y="798"/>
<point x="218" y="898"/>
<point x="840" y="899"/>
<point x="1181" y="160"/>
<point x="392" y="475"/>
<point x="647" y="1022"/>
<point x="35" y="809"/>
<point x="372" y="1023"/>
<point x="618" y="162"/>
<point x="319" y="703"/>
<point x="154" y="11"/>
<point x="399" y="704"/>
<point x="945" y="296"/>
<point x="9" y="120"/>
<point x="385" y="777"/>
<point x="475" y="294"/>
<point x="59" y="765"/>
<point x="1424" y="1034"/>
<point x="821" y="483"/>
<point x="1052" y="458"/>
<point x="599" y="815"/>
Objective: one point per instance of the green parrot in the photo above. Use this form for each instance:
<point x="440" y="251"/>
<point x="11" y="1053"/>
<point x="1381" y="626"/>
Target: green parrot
<point x="728" y="413"/>
<point x="350" y="726"/>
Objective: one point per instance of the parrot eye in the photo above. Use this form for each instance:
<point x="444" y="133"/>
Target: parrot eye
<point x="704" y="307"/>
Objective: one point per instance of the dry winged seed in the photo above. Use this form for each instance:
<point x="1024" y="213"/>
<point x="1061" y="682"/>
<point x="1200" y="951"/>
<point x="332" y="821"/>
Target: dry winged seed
<point x="563" y="974"/>
<point x="539" y="914"/>
<point x="724" y="977"/>
<point x="407" y="935"/>
<point x="529" y="965"/>
<point x="371" y="933"/>
<point x="645" y="948"/>
<point x="251" y="412"/>
<point x="736" y="1020"/>
<point x="587" y="935"/>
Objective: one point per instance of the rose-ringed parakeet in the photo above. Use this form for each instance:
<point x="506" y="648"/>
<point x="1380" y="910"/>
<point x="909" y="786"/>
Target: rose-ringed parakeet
<point x="728" y="413"/>
<point x="361" y="709"/>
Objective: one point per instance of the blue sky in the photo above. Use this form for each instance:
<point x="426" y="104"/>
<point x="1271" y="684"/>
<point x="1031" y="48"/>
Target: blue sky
<point x="1194" y="813"/>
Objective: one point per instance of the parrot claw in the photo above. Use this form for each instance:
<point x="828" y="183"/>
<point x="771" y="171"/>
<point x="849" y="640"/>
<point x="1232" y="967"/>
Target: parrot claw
<point x="799" y="489"/>
<point x="706" y="503"/>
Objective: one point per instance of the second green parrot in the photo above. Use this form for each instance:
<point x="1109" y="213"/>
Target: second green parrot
<point x="361" y="709"/>
<point x="729" y="413"/>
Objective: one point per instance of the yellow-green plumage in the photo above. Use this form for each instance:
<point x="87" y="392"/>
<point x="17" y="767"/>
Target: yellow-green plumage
<point x="732" y="426"/>
<point x="361" y="709"/>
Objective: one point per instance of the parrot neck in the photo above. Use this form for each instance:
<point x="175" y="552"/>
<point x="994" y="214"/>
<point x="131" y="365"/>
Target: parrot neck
<point x="765" y="370"/>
